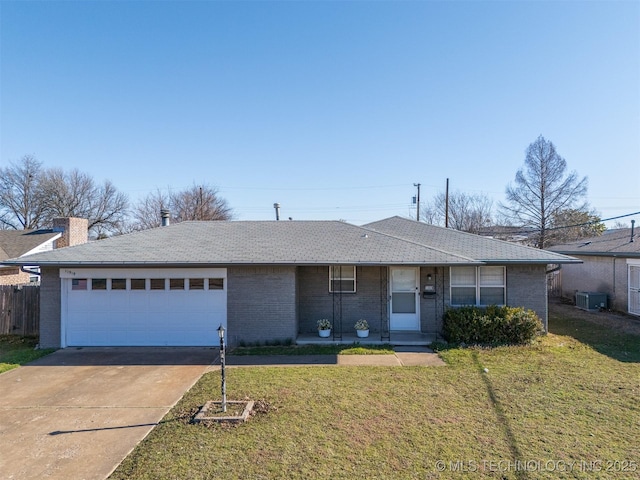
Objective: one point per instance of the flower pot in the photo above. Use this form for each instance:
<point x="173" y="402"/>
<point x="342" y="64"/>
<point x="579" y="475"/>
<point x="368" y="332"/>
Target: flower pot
<point x="324" y="333"/>
<point x="362" y="333"/>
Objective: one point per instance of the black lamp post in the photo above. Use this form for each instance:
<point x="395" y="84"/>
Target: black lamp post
<point x="222" y="361"/>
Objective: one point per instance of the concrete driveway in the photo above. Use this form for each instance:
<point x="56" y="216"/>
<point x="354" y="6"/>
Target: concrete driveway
<point x="77" y="413"/>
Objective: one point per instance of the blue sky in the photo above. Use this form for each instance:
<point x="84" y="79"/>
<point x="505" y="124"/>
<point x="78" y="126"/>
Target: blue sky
<point x="332" y="109"/>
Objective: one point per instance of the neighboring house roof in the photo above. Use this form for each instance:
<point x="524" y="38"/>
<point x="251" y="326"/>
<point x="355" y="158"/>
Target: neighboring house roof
<point x="16" y="243"/>
<point x="482" y="249"/>
<point x="293" y="242"/>
<point x="614" y="243"/>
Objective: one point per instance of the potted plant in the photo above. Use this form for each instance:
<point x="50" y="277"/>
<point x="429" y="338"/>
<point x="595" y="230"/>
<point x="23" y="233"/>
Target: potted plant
<point x="324" y="327"/>
<point x="362" y="328"/>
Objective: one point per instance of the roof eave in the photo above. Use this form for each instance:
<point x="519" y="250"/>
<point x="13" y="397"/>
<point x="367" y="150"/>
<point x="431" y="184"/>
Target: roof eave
<point x="533" y="262"/>
<point x="603" y="254"/>
<point x="178" y="264"/>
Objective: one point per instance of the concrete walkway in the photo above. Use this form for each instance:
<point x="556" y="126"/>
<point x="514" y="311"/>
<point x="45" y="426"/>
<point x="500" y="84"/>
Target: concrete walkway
<point x="77" y="413"/>
<point x="404" y="356"/>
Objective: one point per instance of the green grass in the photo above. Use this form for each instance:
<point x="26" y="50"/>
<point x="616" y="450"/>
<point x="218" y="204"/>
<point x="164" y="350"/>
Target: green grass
<point x="604" y="336"/>
<point x="559" y="400"/>
<point x="16" y="351"/>
<point x="353" y="349"/>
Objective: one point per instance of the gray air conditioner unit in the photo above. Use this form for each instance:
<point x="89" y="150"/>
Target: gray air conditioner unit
<point x="591" y="300"/>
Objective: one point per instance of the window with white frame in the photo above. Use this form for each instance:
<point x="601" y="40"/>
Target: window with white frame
<point x="478" y="285"/>
<point x="342" y="279"/>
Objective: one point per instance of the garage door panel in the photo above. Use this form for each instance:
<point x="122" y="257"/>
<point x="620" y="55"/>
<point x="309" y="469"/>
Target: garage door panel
<point x="143" y="317"/>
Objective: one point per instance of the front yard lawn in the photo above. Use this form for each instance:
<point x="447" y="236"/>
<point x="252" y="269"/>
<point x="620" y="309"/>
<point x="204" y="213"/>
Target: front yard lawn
<point x="561" y="408"/>
<point x="16" y="351"/>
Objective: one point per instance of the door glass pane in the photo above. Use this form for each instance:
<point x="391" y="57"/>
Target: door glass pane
<point x="634" y="289"/>
<point x="634" y="277"/>
<point x="403" y="280"/>
<point x="403" y="302"/>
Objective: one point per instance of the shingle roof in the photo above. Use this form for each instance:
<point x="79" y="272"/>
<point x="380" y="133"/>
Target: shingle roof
<point x="482" y="249"/>
<point x="15" y="243"/>
<point x="611" y="243"/>
<point x="272" y="242"/>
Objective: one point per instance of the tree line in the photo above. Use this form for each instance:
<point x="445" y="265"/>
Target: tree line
<point x="31" y="196"/>
<point x="546" y="204"/>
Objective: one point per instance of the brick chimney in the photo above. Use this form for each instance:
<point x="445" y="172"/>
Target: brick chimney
<point x="75" y="231"/>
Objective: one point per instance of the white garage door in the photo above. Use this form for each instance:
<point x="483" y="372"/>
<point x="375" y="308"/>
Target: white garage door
<point x="145" y="307"/>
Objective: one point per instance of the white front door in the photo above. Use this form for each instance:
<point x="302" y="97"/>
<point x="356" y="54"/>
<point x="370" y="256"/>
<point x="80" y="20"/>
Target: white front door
<point x="405" y="291"/>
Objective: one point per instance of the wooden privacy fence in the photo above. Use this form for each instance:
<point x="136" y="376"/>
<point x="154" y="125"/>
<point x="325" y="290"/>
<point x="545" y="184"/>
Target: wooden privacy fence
<point x="554" y="283"/>
<point x="20" y="309"/>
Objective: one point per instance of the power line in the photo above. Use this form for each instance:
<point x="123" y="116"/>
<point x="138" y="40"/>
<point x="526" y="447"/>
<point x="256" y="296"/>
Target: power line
<point x="532" y="229"/>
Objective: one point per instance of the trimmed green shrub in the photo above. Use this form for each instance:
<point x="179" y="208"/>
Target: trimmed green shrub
<point x="491" y="325"/>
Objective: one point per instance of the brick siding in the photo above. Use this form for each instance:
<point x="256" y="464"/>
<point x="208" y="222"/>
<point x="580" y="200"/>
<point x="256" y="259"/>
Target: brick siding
<point x="13" y="276"/>
<point x="432" y="306"/>
<point x="527" y="287"/>
<point x="316" y="302"/>
<point x="50" y="307"/>
<point x="74" y="231"/>
<point x="598" y="274"/>
<point x="261" y="304"/>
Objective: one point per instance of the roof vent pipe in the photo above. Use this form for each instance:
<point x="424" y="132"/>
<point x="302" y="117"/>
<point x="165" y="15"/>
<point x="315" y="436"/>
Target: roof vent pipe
<point x="165" y="214"/>
<point x="633" y="224"/>
<point x="277" y="207"/>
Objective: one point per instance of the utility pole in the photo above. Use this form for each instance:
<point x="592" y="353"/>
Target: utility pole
<point x="446" y="206"/>
<point x="418" y="202"/>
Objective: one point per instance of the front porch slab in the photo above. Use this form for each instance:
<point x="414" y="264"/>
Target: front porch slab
<point x="415" y="339"/>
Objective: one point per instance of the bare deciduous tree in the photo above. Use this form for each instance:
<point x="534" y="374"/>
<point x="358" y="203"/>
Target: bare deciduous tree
<point x="20" y="200"/>
<point x="30" y="197"/>
<point x="469" y="213"/>
<point x="543" y="189"/>
<point x="199" y="202"/>
<point x="146" y="213"/>
<point x="75" y="194"/>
